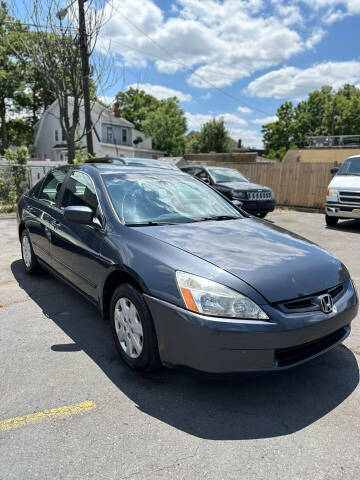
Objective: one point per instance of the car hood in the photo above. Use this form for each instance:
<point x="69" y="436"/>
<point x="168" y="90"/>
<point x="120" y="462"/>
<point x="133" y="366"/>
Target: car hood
<point x="277" y="263"/>
<point x="243" y="186"/>
<point x="347" y="182"/>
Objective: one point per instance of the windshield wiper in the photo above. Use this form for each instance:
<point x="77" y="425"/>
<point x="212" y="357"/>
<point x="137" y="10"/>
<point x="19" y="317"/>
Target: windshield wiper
<point x="149" y="224"/>
<point x="217" y="218"/>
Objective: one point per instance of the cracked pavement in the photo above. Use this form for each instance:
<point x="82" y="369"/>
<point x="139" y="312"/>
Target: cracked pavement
<point x="55" y="351"/>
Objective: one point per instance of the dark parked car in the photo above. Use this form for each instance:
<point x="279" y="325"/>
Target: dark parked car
<point x="255" y="199"/>
<point x="185" y="278"/>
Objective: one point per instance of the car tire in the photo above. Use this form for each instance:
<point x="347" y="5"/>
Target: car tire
<point x="331" y="221"/>
<point x="30" y="261"/>
<point x="262" y="214"/>
<point x="133" y="329"/>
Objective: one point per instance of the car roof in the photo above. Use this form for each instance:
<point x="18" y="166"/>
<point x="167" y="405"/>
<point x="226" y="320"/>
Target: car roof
<point x="193" y="166"/>
<point x="132" y="161"/>
<point x="111" y="168"/>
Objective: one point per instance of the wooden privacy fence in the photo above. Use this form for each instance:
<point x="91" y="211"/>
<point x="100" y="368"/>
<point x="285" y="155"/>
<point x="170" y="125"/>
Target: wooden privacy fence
<point x="296" y="184"/>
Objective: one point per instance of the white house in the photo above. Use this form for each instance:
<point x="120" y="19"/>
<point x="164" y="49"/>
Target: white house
<point x="113" y="136"/>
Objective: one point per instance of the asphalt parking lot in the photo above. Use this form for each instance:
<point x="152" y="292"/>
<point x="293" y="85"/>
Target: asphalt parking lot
<point x="70" y="409"/>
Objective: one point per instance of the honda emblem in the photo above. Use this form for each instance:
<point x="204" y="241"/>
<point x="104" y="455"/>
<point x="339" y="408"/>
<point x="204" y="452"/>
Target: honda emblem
<point x="326" y="302"/>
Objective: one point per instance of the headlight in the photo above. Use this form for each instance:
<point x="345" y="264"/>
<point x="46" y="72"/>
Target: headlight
<point x="210" y="298"/>
<point x="238" y="195"/>
<point x="332" y="192"/>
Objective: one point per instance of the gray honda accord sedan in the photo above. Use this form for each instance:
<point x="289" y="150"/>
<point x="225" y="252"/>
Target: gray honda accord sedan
<point x="184" y="277"/>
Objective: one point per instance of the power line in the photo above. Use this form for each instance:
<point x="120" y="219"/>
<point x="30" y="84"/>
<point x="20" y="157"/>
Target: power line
<point x="180" y="62"/>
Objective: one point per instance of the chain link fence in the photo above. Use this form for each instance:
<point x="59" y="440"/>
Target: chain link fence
<point x="16" y="180"/>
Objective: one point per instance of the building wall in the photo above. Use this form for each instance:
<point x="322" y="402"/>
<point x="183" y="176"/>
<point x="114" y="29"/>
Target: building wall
<point x="44" y="146"/>
<point x="117" y="134"/>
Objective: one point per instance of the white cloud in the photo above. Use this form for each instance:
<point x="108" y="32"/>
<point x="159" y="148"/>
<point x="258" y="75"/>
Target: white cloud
<point x="292" y="82"/>
<point x="265" y="120"/>
<point x="221" y="41"/>
<point x="316" y="37"/>
<point x="244" y="110"/>
<point x="351" y="7"/>
<point x="160" y="92"/>
<point x="196" y="120"/>
<point x="107" y="100"/>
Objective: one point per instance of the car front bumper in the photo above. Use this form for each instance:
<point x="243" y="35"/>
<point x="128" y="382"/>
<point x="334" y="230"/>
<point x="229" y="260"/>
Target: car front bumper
<point x="225" y="346"/>
<point x="259" y="206"/>
<point x="341" y="210"/>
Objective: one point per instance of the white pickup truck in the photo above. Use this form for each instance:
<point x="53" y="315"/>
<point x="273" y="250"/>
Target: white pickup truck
<point x="343" y="193"/>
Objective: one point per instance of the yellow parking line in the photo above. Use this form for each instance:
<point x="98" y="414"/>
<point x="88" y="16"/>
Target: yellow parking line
<point x="38" y="417"/>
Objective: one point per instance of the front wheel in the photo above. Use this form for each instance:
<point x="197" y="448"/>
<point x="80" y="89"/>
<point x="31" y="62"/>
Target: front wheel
<point x="331" y="221"/>
<point x="262" y="214"/>
<point x="133" y="329"/>
<point x="30" y="261"/>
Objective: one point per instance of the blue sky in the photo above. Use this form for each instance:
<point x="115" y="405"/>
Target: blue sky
<point x="259" y="52"/>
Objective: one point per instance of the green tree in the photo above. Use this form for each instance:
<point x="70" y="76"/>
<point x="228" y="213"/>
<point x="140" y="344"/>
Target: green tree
<point x="11" y="72"/>
<point x="167" y="126"/>
<point x="193" y="143"/>
<point x="136" y="105"/>
<point x="214" y="137"/>
<point x="324" y="112"/>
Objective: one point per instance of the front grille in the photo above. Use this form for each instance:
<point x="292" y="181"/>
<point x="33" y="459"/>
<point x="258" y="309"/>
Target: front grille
<point x="310" y="303"/>
<point x="289" y="356"/>
<point x="349" y="197"/>
<point x="262" y="195"/>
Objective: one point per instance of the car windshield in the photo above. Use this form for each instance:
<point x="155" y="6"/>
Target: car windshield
<point x="159" y="199"/>
<point x="350" y="167"/>
<point x="224" y="175"/>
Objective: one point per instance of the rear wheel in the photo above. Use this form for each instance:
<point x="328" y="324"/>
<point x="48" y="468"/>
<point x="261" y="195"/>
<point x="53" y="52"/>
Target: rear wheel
<point x="133" y="329"/>
<point x="29" y="258"/>
<point x="331" y="221"/>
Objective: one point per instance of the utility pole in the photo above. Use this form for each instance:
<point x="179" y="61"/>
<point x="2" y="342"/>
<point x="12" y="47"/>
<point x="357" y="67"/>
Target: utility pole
<point x="85" y="69"/>
<point x="86" y="75"/>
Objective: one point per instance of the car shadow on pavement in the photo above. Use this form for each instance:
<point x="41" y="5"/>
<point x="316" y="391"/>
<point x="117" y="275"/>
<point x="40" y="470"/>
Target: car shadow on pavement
<point x="351" y="226"/>
<point x="232" y="408"/>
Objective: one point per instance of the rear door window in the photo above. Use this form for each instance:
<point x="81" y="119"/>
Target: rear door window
<point x="51" y="186"/>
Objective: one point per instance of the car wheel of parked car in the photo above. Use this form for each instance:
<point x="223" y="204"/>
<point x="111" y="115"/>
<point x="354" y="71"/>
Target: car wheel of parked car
<point x="331" y="221"/>
<point x="30" y="261"/>
<point x="133" y="329"/>
<point x="262" y="215"/>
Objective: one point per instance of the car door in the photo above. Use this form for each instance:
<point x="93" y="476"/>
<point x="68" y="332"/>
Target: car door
<point x="74" y="248"/>
<point x="40" y="212"/>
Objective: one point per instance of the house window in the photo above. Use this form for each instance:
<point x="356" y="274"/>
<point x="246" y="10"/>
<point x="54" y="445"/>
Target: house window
<point x="109" y="135"/>
<point x="124" y="135"/>
<point x="56" y="135"/>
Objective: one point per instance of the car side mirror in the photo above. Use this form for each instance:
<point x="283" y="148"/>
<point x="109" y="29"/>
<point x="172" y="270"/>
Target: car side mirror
<point x="334" y="170"/>
<point x="79" y="214"/>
